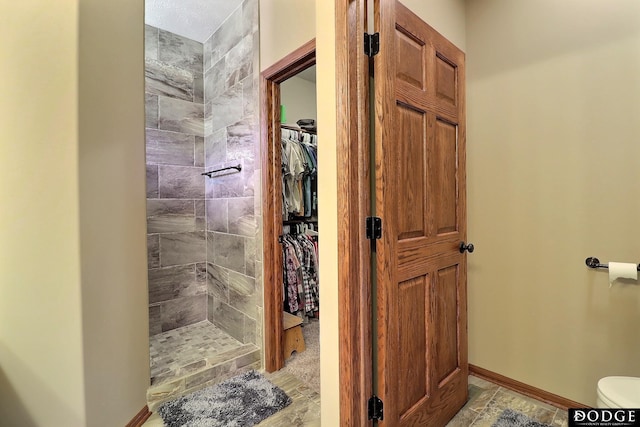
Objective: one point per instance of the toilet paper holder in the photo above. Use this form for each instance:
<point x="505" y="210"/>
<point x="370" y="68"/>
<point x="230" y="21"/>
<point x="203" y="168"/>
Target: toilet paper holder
<point x="593" y="262"/>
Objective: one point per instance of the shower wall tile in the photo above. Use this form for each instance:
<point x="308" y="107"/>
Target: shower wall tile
<point x="172" y="224"/>
<point x="248" y="97"/>
<point x="182" y="248"/>
<point x="242" y="139"/>
<point x="169" y="207"/>
<point x="150" y="42"/>
<point x="227" y="108"/>
<point x="242" y="293"/>
<point x="153" y="251"/>
<point x="231" y="89"/>
<point x="241" y="218"/>
<point x="215" y="80"/>
<point x="249" y="17"/>
<point x="151" y="111"/>
<point x="180" y="182"/>
<point x="229" y="319"/>
<point x="250" y="326"/>
<point x="207" y="47"/>
<point x="170" y="148"/>
<point x="155" y="321"/>
<point x="227" y="36"/>
<point x="239" y="61"/>
<point x="174" y="282"/>
<point x="228" y="251"/>
<point x="152" y="181"/>
<point x="198" y="88"/>
<point x="180" y="116"/>
<point x="215" y="148"/>
<point x="167" y="80"/>
<point x="180" y="51"/>
<point x="200" y="208"/>
<point x="198" y="151"/>
<point x="259" y="284"/>
<point x="201" y="274"/>
<point x="250" y="256"/>
<point x="227" y="186"/>
<point x="174" y="86"/>
<point x="183" y="311"/>
<point x="218" y="282"/>
<point x="217" y="215"/>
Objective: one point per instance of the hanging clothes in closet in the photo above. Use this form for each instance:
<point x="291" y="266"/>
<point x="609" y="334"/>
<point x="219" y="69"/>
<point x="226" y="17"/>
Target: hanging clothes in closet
<point x="299" y="174"/>
<point x="300" y="275"/>
<point x="300" y="211"/>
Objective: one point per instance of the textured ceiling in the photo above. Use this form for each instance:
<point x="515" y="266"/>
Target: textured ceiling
<point x="193" y="19"/>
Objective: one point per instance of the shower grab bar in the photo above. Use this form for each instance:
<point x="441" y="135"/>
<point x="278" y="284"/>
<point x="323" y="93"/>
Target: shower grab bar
<point x="238" y="168"/>
<point x="593" y="262"/>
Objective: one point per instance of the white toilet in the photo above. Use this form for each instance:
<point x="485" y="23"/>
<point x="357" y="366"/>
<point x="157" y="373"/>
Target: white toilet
<point x="619" y="392"/>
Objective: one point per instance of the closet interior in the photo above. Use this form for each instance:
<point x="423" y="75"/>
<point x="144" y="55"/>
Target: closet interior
<point x="299" y="240"/>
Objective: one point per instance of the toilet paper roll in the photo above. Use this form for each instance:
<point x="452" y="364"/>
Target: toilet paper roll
<point x="622" y="270"/>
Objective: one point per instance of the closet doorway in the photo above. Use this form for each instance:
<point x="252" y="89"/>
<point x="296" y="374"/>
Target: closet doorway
<point x="281" y="221"/>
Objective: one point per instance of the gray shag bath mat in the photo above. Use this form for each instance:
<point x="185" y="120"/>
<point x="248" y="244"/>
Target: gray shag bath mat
<point x="241" y="401"/>
<point x="511" y="418"/>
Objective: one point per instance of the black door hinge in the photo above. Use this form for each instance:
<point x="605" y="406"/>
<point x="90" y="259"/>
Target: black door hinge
<point x="371" y="44"/>
<point x="374" y="228"/>
<point x="376" y="408"/>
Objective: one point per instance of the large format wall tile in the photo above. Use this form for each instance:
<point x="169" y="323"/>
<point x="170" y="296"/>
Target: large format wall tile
<point x="155" y="319"/>
<point x="227" y="36"/>
<point x="152" y="181"/>
<point x="167" y="80"/>
<point x="183" y="311"/>
<point x="198" y="151"/>
<point x="242" y="293"/>
<point x="215" y="148"/>
<point x="182" y="248"/>
<point x="150" y="42"/>
<point x="153" y="251"/>
<point x="239" y="61"/>
<point x="227" y="108"/>
<point x="215" y="80"/>
<point x="217" y="215"/>
<point x="242" y="139"/>
<point x="229" y="319"/>
<point x="180" y="182"/>
<point x="174" y="282"/>
<point x="180" y="51"/>
<point x="228" y="251"/>
<point x="241" y="218"/>
<point x="151" y="111"/>
<point x="218" y="282"/>
<point x="180" y="116"/>
<point x="172" y="224"/>
<point x="170" y="148"/>
<point x="170" y="207"/>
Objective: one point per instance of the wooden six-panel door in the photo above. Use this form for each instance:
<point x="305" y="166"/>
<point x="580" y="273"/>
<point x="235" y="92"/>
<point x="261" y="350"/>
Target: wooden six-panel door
<point x="420" y="196"/>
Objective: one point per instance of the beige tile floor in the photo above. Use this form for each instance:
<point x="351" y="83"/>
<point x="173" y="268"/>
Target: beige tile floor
<point x="486" y="402"/>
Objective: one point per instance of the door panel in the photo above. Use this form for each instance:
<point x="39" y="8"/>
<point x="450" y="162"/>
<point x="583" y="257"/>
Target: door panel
<point x="420" y="196"/>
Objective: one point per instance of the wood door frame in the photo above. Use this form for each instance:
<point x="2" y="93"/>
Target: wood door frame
<point x="272" y="77"/>
<point x="353" y="179"/>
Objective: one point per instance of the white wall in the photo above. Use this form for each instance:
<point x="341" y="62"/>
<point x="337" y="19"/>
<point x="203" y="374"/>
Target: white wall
<point x="298" y="96"/>
<point x="73" y="322"/>
<point x="41" y="360"/>
<point x="553" y="107"/>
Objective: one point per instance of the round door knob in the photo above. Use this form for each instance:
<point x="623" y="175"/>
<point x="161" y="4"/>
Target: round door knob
<point x="468" y="247"/>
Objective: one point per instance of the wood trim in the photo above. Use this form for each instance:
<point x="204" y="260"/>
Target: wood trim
<point x="140" y="417"/>
<point x="287" y="67"/>
<point x="522" y="388"/>
<point x="354" y="205"/>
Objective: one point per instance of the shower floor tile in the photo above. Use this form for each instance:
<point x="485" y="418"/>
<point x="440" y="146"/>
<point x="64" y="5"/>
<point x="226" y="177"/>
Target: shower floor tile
<point x="181" y="351"/>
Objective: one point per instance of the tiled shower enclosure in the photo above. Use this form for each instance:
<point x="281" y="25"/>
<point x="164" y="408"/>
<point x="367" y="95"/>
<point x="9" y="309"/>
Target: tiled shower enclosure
<point x="204" y="241"/>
